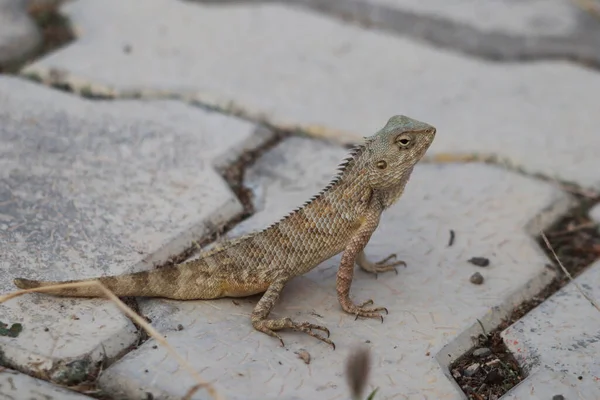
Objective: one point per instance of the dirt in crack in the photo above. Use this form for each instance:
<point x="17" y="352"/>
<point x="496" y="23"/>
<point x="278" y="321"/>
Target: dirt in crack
<point x="55" y="29"/>
<point x="489" y="370"/>
<point x="234" y="175"/>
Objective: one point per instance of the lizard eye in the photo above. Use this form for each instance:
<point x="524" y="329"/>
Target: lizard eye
<point x="403" y="140"/>
<point x="381" y="164"/>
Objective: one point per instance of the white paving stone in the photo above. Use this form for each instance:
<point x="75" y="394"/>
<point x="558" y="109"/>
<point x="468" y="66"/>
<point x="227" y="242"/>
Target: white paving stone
<point x="433" y="306"/>
<point x="17" y="386"/>
<point x="558" y="343"/>
<point x="342" y="86"/>
<point x="94" y="188"/>
<point x="19" y="36"/>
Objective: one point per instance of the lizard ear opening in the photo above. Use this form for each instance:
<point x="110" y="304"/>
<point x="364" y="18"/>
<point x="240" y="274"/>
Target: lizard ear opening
<point x="381" y="164"/>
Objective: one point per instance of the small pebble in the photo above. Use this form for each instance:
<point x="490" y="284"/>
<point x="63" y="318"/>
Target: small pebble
<point x="558" y="397"/>
<point x="482" y="352"/>
<point x="480" y="261"/>
<point x="476" y="278"/>
<point x="471" y="369"/>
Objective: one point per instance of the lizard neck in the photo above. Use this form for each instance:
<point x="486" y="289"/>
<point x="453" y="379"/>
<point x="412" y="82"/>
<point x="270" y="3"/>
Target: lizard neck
<point x="388" y="196"/>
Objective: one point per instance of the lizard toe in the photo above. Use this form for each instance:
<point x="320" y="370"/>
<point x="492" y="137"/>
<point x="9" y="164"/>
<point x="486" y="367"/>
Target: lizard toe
<point x="362" y="311"/>
<point x="307" y="327"/>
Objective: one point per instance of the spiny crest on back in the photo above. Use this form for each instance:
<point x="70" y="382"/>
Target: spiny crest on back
<point x="342" y="168"/>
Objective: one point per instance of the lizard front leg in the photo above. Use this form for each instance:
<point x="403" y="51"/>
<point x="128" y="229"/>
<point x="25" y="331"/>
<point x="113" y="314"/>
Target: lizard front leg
<point x="345" y="272"/>
<point x="379" y="266"/>
<point x="270" y="326"/>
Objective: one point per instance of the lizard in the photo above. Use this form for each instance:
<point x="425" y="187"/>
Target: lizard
<point x="340" y="218"/>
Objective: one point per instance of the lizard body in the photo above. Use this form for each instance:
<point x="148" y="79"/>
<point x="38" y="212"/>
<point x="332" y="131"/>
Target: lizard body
<point x="342" y="217"/>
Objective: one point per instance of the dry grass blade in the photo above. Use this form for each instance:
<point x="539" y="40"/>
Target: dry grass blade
<point x="568" y="274"/>
<point x="138" y="320"/>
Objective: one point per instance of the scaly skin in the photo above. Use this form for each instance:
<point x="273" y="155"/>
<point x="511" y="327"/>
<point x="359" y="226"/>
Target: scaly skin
<point x="340" y="218"/>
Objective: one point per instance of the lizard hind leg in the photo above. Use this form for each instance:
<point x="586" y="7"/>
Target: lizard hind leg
<point x="261" y="323"/>
<point x="379" y="266"/>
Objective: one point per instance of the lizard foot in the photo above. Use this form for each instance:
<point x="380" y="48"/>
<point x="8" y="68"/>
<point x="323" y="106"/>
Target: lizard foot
<point x="380" y="266"/>
<point x="269" y="326"/>
<point x="362" y="311"/>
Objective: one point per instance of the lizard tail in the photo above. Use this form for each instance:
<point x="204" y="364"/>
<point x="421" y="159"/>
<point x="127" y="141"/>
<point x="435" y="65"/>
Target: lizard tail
<point x="153" y="283"/>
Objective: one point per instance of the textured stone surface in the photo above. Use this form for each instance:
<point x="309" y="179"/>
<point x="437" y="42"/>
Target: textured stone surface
<point x="498" y="29"/>
<point x="529" y="17"/>
<point x="89" y="189"/>
<point x="559" y="341"/>
<point x="19" y="35"/>
<point x="17" y="386"/>
<point x="433" y="307"/>
<point x="347" y="85"/>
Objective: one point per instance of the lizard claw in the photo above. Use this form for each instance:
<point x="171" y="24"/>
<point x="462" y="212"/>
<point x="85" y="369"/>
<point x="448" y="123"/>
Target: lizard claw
<point x="269" y="326"/>
<point x="307" y="328"/>
<point x="362" y="311"/>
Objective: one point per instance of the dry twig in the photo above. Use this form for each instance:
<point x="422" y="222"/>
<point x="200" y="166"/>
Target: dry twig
<point x="202" y="384"/>
<point x="568" y="274"/>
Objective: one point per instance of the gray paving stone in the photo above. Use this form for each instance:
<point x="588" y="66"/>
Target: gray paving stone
<point x="342" y="87"/>
<point x="558" y="343"/>
<point x="19" y="36"/>
<point x="94" y="188"/>
<point x="499" y="29"/>
<point x="17" y="386"/>
<point x="530" y="17"/>
<point x="433" y="307"/>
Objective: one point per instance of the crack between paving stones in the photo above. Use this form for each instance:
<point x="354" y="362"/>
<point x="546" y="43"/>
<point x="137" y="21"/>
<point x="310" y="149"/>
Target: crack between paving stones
<point x="509" y="165"/>
<point x="68" y="83"/>
<point x="52" y="22"/>
<point x="576" y="240"/>
<point x="56" y="33"/>
<point x="234" y="173"/>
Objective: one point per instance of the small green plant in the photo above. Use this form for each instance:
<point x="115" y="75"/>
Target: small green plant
<point x="372" y="395"/>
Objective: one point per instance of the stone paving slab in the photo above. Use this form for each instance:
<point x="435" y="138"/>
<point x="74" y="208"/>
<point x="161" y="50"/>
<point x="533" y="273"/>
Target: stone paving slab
<point x="433" y="306"/>
<point x="559" y="343"/>
<point x="19" y="36"/>
<point x="499" y="29"/>
<point x="91" y="188"/>
<point x="17" y="386"/>
<point x="323" y="86"/>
